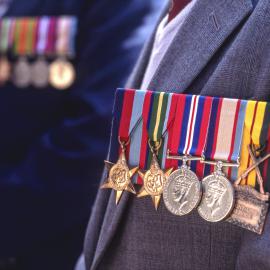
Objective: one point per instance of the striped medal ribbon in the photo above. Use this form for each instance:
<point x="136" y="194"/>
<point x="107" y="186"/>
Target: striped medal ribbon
<point x="265" y="143"/>
<point x="182" y="192"/>
<point x="222" y="150"/>
<point x="61" y="72"/>
<point x="43" y="46"/>
<point x="6" y="25"/>
<point x="257" y="134"/>
<point x="154" y="115"/>
<point x="119" y="175"/>
<point x="253" y="170"/>
<point x="42" y="35"/>
<point x="139" y="146"/>
<point x="22" y="68"/>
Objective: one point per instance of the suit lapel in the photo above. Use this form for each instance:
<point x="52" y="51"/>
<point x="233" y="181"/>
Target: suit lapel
<point x="203" y="32"/>
<point x="205" y="29"/>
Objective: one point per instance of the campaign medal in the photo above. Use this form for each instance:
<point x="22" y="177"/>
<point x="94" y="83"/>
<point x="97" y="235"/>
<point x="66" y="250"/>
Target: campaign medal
<point x="251" y="206"/>
<point x="154" y="178"/>
<point x="42" y="46"/>
<point x="40" y="73"/>
<point x="120" y="175"/>
<point x="5" y="70"/>
<point x="22" y="69"/>
<point x="155" y="121"/>
<point x="61" y="71"/>
<point x="5" y="66"/>
<point x="222" y="150"/>
<point x="182" y="192"/>
<point x="218" y="196"/>
<point x="22" y="73"/>
<point x="61" y="74"/>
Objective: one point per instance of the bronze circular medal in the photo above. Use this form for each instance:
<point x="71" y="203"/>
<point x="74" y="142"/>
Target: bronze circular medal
<point x="154" y="181"/>
<point x="22" y="73"/>
<point x="61" y="74"/>
<point x="40" y="73"/>
<point x="5" y="69"/>
<point x="119" y="176"/>
<point x="182" y="192"/>
<point x="218" y="198"/>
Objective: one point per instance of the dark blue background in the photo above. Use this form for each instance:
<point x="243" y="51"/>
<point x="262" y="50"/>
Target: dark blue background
<point x="52" y="143"/>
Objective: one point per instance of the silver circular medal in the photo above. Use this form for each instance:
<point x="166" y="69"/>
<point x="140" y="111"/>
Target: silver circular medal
<point x="218" y="198"/>
<point x="22" y="73"/>
<point x="182" y="192"/>
<point x="40" y="73"/>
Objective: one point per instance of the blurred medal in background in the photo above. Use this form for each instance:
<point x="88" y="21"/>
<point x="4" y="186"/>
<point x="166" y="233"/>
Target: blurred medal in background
<point x="61" y="71"/>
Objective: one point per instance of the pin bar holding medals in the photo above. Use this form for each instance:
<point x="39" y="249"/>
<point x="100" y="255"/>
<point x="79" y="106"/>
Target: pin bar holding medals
<point x="177" y="123"/>
<point x="42" y="38"/>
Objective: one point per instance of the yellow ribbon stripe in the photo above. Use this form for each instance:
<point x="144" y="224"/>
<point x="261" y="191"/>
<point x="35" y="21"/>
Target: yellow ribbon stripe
<point x="251" y="135"/>
<point x="255" y="136"/>
<point x="160" y="101"/>
<point x="246" y="137"/>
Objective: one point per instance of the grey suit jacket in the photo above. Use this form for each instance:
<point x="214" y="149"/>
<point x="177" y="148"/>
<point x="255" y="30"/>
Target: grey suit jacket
<point x="223" y="49"/>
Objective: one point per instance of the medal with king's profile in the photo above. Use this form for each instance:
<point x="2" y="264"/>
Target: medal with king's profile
<point x="119" y="178"/>
<point x="182" y="192"/>
<point x="218" y="196"/>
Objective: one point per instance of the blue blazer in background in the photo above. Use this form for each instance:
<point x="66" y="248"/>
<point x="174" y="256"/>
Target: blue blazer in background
<point x="52" y="142"/>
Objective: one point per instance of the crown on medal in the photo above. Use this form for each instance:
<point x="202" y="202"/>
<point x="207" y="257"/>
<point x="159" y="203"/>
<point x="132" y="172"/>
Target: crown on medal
<point x="183" y="184"/>
<point x="216" y="187"/>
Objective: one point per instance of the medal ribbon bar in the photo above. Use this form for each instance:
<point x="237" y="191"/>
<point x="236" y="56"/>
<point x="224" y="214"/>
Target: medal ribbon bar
<point x="190" y="128"/>
<point x="42" y="35"/>
<point x="256" y="133"/>
<point x="141" y="111"/>
<point x="119" y="174"/>
<point x="5" y="66"/>
<point x="225" y="134"/>
<point x="154" y="122"/>
<point x="51" y="38"/>
<point x="222" y="150"/>
<point x="182" y="192"/>
<point x="5" y="27"/>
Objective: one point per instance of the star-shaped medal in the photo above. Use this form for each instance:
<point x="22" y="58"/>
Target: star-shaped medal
<point x="154" y="180"/>
<point x="120" y="176"/>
